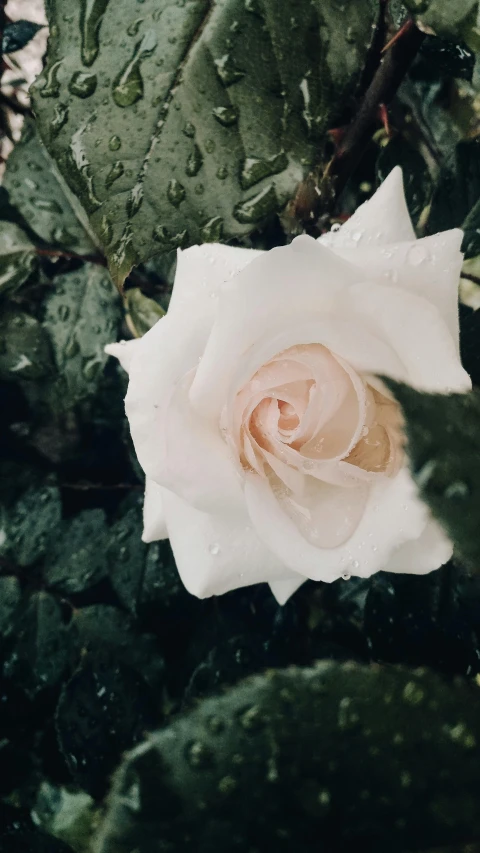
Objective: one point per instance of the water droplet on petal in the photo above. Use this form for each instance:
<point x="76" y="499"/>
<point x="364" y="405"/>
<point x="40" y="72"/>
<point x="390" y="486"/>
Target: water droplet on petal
<point x="417" y="255"/>
<point x="214" y="549"/>
<point x="175" y="192"/>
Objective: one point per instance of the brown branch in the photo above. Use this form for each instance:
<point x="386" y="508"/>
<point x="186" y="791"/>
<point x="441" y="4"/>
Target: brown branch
<point x="390" y="73"/>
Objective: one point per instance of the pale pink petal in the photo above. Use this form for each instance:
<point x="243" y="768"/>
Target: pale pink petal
<point x="154" y="526"/>
<point x="429" y="267"/>
<point x="383" y="219"/>
<point x="416" y="331"/>
<point x="282" y="590"/>
<point x="281" y="286"/>
<point x="430" y="551"/>
<point x="124" y="351"/>
<point x="215" y="554"/>
<point x="393" y="515"/>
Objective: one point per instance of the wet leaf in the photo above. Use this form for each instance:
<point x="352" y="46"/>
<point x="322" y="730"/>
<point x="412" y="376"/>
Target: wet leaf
<point x="41" y="651"/>
<point x="76" y="559"/>
<point x="154" y="172"/>
<point x="38" y="191"/>
<point x="81" y="317"/>
<point x="17" y="257"/>
<point x="32" y="841"/>
<point x="17" y="34"/>
<point x="24" y="346"/>
<point x="103" y="710"/>
<point x="30" y="524"/>
<point x="10" y="596"/>
<point x="455" y="21"/>
<point x="68" y="815"/>
<point x="348" y="770"/>
<point x="442" y="432"/>
<point x="456" y="200"/>
<point x="142" y="311"/>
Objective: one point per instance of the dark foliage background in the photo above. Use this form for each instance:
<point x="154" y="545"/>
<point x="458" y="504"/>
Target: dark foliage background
<point x="267" y="120"/>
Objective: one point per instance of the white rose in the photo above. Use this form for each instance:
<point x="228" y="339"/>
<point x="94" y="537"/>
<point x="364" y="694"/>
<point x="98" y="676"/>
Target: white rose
<point x="271" y="450"/>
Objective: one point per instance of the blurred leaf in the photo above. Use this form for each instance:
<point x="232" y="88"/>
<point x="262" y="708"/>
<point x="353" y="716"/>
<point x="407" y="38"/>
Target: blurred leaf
<point x="445" y="58"/>
<point x="153" y="172"/>
<point x="443" y="447"/>
<point x="301" y="754"/>
<point x="103" y="710"/>
<point x="17" y="34"/>
<point x="24" y="346"/>
<point x="41" y="649"/>
<point x="67" y="815"/>
<point x="106" y="627"/>
<point x="416" y="177"/>
<point x="76" y="560"/>
<point x="42" y="197"/>
<point x="142" y="311"/>
<point x="32" y="841"/>
<point x="10" y="596"/>
<point x="456" y="200"/>
<point x="81" y="317"/>
<point x="31" y="523"/>
<point x="457" y="21"/>
<point x="17" y="257"/>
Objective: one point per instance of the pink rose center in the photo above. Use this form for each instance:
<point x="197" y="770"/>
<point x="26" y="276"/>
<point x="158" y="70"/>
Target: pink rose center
<point x="311" y="424"/>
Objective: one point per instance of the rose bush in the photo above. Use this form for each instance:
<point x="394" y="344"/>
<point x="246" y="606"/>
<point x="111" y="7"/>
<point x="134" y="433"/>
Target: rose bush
<point x="272" y="450"/>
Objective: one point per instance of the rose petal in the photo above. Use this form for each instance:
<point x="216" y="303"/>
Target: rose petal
<point x="154" y="526"/>
<point x="124" y="351"/>
<point x="282" y="590"/>
<point x="393" y="515"/>
<point x="282" y="285"/>
<point x="416" y="331"/>
<point x="430" y="551"/>
<point x="429" y="267"/>
<point x="214" y="554"/>
<point x="383" y="219"/>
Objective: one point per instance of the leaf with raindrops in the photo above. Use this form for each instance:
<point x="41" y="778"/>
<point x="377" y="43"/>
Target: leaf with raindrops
<point x="82" y="315"/>
<point x="17" y="257"/>
<point x="177" y="123"/>
<point x="38" y="191"/>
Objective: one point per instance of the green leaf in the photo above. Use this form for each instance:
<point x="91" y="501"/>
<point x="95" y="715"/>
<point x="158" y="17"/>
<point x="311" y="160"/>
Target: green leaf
<point x="25" y="351"/>
<point x="10" y="596"/>
<point x="42" y="648"/>
<point x="76" y="560"/>
<point x="179" y="123"/>
<point x="443" y="438"/>
<point x="30" y="524"/>
<point x="416" y="177"/>
<point x="17" y="257"/>
<point x="39" y="192"/>
<point x="143" y="312"/>
<point x="455" y="21"/>
<point x="280" y="760"/>
<point x="456" y="200"/>
<point x="81" y="317"/>
<point x="68" y="815"/>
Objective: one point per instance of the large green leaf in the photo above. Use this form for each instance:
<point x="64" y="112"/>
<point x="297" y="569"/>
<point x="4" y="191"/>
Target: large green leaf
<point x="81" y="317"/>
<point x="39" y="192"/>
<point x="323" y="759"/>
<point x="183" y="122"/>
<point x="443" y="445"/>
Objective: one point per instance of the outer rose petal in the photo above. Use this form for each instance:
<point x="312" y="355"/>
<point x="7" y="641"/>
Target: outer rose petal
<point x="165" y="354"/>
<point x="430" y="551"/>
<point x="154" y="526"/>
<point x="215" y="554"/>
<point x="393" y="516"/>
<point x="124" y="351"/>
<point x="383" y="219"/>
<point x="429" y="267"/>
<point x="282" y="590"/>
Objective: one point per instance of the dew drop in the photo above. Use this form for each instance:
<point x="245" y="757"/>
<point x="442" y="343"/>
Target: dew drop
<point x="194" y="162"/>
<point x="60" y="118"/>
<point x="114" y="143"/>
<point x="212" y="231"/>
<point x="135" y="199"/>
<point x="222" y="173"/>
<point x="417" y="255"/>
<point x="255" y="169"/>
<point x="357" y="236"/>
<point x="227" y="70"/>
<point x="92" y="12"/>
<point x="52" y="86"/>
<point x="82" y="84"/>
<point x="209" y="146"/>
<point x="175" y="192"/>
<point x="346" y="576"/>
<point x="128" y="86"/>
<point x="335" y="227"/>
<point x="115" y="172"/>
<point x="258" y="207"/>
<point x="226" y="116"/>
<point x="189" y="130"/>
<point x="214" y="549"/>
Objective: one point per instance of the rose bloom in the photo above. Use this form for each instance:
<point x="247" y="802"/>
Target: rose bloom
<point x="272" y="451"/>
